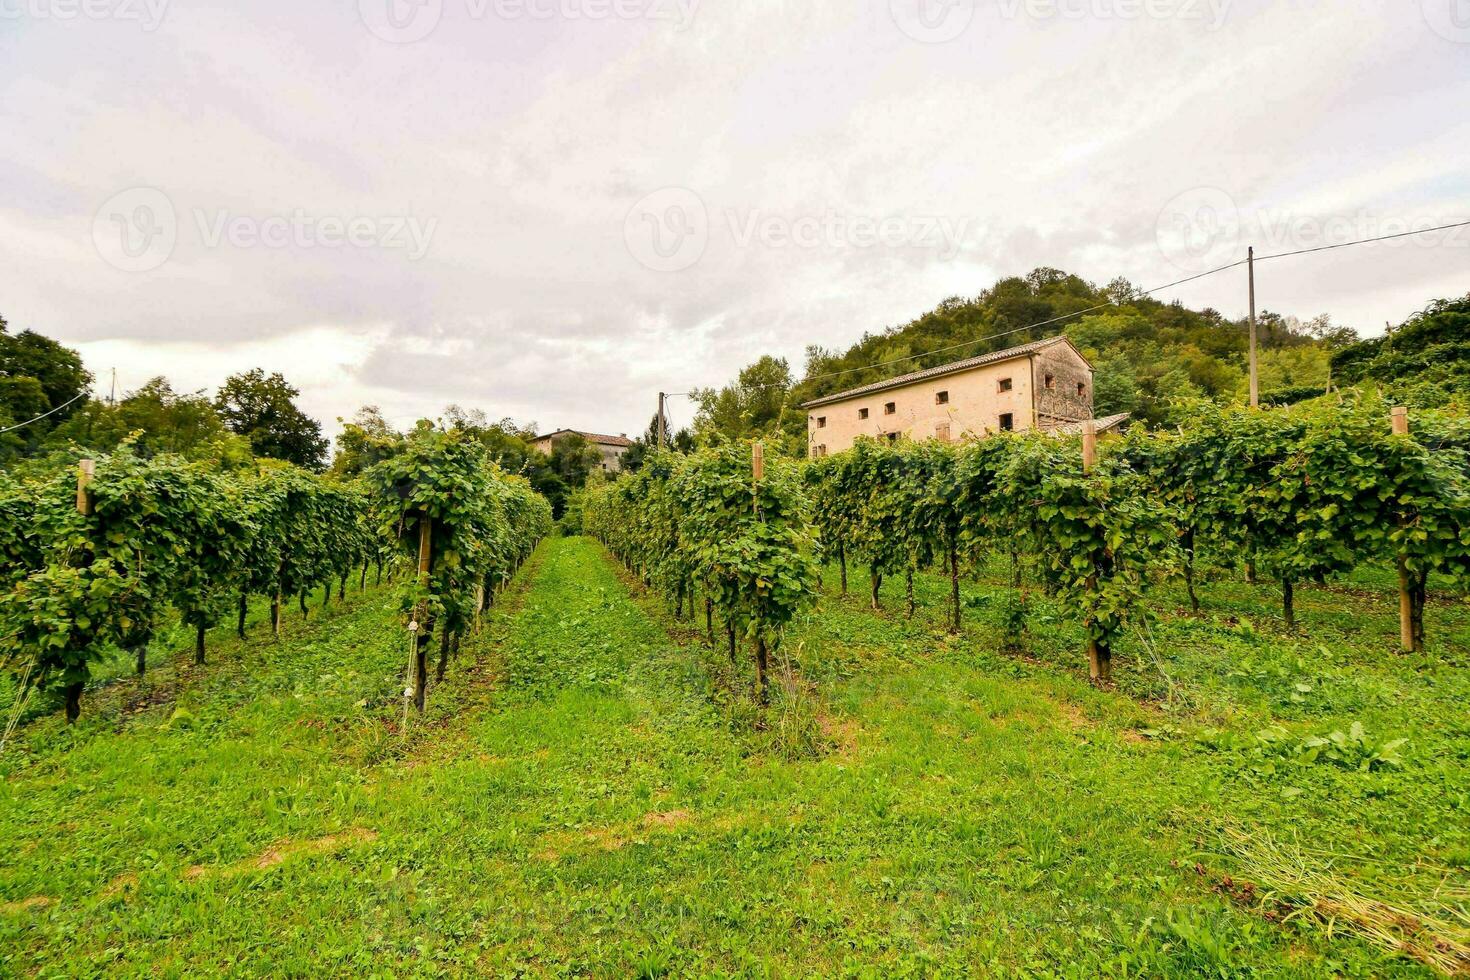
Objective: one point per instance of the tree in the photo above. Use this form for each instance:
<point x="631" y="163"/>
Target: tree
<point x="754" y="407"/>
<point x="262" y="408"/>
<point x="36" y="375"/>
<point x="366" y="440"/>
<point x="160" y="420"/>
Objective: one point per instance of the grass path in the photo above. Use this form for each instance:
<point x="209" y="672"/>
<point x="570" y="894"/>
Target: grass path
<point x="576" y="803"/>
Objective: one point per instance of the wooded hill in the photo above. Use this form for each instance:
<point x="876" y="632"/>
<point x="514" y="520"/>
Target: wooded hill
<point x="1147" y="352"/>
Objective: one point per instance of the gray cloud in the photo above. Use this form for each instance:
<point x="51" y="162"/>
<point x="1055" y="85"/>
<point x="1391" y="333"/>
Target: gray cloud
<point x="525" y="142"/>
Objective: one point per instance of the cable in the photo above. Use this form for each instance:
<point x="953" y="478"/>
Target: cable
<point x="38" y="418"/>
<point x="1361" y="241"/>
<point x="1007" y="333"/>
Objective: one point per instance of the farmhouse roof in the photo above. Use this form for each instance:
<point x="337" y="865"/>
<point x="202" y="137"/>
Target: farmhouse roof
<point x="953" y="367"/>
<point x="593" y="437"/>
<point x="1106" y="424"/>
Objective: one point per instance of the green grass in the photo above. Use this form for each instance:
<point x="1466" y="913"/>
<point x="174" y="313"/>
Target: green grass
<point x="586" y="795"/>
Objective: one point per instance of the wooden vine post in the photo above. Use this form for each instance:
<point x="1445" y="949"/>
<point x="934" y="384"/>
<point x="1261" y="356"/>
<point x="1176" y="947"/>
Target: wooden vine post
<point x="1099" y="654"/>
<point x="421" y="614"/>
<point x="86" y="470"/>
<point x="758" y="473"/>
<point x="1409" y="635"/>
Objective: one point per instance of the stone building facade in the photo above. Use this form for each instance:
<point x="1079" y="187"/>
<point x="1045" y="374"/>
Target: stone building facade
<point x="612" y="448"/>
<point x="1042" y="385"/>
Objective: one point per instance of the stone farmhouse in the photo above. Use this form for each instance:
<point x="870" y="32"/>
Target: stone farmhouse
<point x="612" y="448"/>
<point x="1046" y="384"/>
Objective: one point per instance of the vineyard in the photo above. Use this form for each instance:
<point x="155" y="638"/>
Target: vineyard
<point x="1182" y="702"/>
<point x="95" y="555"/>
<point x="1293" y="495"/>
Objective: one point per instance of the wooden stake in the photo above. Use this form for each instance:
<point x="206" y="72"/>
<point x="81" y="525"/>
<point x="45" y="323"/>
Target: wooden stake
<point x="1407" y="638"/>
<point x="86" y="470"/>
<point x="757" y="461"/>
<point x="421" y="644"/>
<point x="1099" y="656"/>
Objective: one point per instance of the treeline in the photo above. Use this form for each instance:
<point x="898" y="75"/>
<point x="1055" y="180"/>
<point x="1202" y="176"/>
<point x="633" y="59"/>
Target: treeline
<point x="1423" y="362"/>
<point x="95" y="552"/>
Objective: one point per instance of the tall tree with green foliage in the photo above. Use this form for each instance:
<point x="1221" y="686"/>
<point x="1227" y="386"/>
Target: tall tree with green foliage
<point x="262" y="408"/>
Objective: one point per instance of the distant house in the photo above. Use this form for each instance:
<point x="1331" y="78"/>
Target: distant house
<point x="1045" y="385"/>
<point x="612" y="448"/>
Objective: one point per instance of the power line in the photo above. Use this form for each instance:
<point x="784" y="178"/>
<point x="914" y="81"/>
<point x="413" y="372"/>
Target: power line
<point x="1007" y="333"/>
<point x="1143" y="292"/>
<point x="1362" y="241"/>
<point x="21" y="425"/>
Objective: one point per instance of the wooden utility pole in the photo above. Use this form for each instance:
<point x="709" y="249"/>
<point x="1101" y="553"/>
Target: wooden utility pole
<point x="1250" y="264"/>
<point x="661" y="426"/>
<point x="1099" y="655"/>
<point x="421" y="615"/>
<point x="86" y="469"/>
<point x="1408" y="636"/>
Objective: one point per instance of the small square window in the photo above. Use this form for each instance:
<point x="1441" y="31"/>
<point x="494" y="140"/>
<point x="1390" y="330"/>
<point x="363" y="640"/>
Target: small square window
<point x="892" y="437"/>
<point x="1004" y="384"/>
<point x="1007" y="422"/>
<point x="862" y="413"/>
<point x="890" y="407"/>
<point x="821" y="451"/>
<point x="942" y="398"/>
<point x="1050" y="382"/>
<point x="821" y="421"/>
<point x="941" y="432"/>
<point x="1081" y="389"/>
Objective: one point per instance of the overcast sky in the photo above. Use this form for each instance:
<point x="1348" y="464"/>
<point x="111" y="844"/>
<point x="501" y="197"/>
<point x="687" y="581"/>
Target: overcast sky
<point x="551" y="209"/>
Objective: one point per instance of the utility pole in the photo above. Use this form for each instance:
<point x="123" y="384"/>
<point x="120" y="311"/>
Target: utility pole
<point x="661" y="427"/>
<point x="112" y="398"/>
<point x="1250" y="262"/>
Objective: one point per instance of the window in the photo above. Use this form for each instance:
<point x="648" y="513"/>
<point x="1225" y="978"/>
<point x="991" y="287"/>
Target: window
<point x="1081" y="390"/>
<point x="1004" y="384"/>
<point x="892" y="437"/>
<point x="862" y="413"/>
<point x="1050" y="382"/>
<point x="942" y="398"/>
<point x="821" y="421"/>
<point x="890" y="407"/>
<point x="1007" y="422"/>
<point x="941" y="432"/>
<point x="820" y="452"/>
